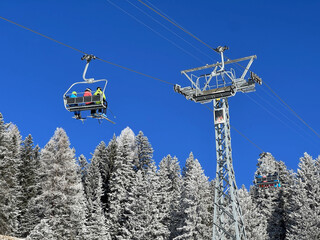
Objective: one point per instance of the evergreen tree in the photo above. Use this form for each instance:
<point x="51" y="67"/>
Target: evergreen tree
<point x="271" y="201"/>
<point x="144" y="153"/>
<point x="156" y="229"/>
<point x="170" y="189"/>
<point x="123" y="196"/>
<point x="43" y="231"/>
<point x="140" y="208"/>
<point x="61" y="203"/>
<point x="195" y="202"/>
<point x="121" y="187"/>
<point x="287" y="178"/>
<point x="212" y="184"/>
<point x="255" y="223"/>
<point x="32" y="215"/>
<point x="105" y="156"/>
<point x="28" y="181"/>
<point x="304" y="217"/>
<point x="10" y="140"/>
<point x="82" y="168"/>
<point x="146" y="221"/>
<point x="95" y="217"/>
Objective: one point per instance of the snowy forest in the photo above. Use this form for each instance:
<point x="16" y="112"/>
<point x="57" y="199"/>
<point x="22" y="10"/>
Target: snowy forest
<point x="120" y="193"/>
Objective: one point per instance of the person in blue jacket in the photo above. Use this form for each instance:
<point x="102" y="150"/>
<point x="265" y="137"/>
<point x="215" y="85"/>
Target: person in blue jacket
<point x="76" y="113"/>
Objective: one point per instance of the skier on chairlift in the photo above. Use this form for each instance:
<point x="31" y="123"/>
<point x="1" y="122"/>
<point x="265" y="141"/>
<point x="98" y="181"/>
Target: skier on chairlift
<point x="76" y="113"/>
<point x="88" y="101"/>
<point x="99" y="92"/>
<point x="88" y="93"/>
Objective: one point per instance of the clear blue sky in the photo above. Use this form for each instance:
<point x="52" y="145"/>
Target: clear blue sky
<point x="35" y="72"/>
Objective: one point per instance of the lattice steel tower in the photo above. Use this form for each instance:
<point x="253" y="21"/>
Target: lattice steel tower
<point x="217" y="86"/>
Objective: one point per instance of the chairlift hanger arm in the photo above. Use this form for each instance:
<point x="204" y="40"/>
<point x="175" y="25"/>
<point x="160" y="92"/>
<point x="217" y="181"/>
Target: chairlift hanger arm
<point x="88" y="58"/>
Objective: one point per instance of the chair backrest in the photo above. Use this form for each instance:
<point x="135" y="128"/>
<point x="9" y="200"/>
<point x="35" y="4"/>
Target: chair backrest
<point x="87" y="99"/>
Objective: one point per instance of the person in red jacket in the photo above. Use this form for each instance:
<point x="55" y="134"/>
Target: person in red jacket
<point x="87" y="93"/>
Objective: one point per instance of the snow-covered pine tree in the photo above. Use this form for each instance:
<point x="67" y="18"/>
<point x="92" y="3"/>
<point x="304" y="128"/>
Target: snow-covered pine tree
<point x="37" y="154"/>
<point x="156" y="229"/>
<point x="82" y="168"/>
<point x="270" y="201"/>
<point x="146" y="220"/>
<point x="287" y="178"/>
<point x="10" y="143"/>
<point x="61" y="203"/>
<point x="140" y="207"/>
<point x="170" y="191"/>
<point x="105" y="156"/>
<point x="212" y="184"/>
<point x="144" y="153"/>
<point x="255" y="223"/>
<point x="32" y="215"/>
<point x="305" y="201"/>
<point x="5" y="227"/>
<point x="43" y="231"/>
<point x="195" y="203"/>
<point x="121" y="187"/>
<point x="28" y="180"/>
<point x="95" y="216"/>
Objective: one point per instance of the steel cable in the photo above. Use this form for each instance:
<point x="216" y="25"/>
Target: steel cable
<point x="114" y="64"/>
<point x="296" y="114"/>
<point x="66" y="45"/>
<point x="168" y="29"/>
<point x="42" y="35"/>
<point x="192" y="35"/>
<point x="178" y="26"/>
<point x="159" y="34"/>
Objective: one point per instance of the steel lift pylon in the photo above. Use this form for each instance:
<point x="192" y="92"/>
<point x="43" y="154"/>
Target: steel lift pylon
<point x="218" y="86"/>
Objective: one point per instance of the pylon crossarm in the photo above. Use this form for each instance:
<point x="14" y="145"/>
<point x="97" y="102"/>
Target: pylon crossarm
<point x="218" y="64"/>
<point x="226" y="85"/>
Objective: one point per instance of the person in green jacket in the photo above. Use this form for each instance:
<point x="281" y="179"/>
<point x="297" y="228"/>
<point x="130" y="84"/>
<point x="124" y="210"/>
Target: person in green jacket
<point x="99" y="92"/>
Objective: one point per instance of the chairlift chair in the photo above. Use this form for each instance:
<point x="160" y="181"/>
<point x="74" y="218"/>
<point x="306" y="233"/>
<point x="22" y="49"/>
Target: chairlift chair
<point x="269" y="180"/>
<point x="81" y="103"/>
<point x="267" y="174"/>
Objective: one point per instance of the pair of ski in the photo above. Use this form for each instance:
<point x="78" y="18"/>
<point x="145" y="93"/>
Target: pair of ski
<point x="97" y="116"/>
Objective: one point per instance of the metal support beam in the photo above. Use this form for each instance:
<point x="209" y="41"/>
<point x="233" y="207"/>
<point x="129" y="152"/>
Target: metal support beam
<point x="227" y="216"/>
<point x="217" y="86"/>
<point x="219" y="64"/>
